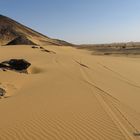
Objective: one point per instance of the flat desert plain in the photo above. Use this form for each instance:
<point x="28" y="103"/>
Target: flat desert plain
<point x="69" y="94"/>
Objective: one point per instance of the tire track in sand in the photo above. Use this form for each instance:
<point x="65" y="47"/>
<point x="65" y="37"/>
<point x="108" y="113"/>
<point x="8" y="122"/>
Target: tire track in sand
<point x="105" y="105"/>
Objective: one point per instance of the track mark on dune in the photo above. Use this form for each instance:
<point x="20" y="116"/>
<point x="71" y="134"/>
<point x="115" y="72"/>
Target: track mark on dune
<point x="81" y="64"/>
<point x="106" y="93"/>
<point x="109" y="110"/>
<point x="123" y="78"/>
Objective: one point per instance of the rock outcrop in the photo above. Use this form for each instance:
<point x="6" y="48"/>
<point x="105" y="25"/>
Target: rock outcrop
<point x="21" y="40"/>
<point x="19" y="65"/>
<point x="14" y="33"/>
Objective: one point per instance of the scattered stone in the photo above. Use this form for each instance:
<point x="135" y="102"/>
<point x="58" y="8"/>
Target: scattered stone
<point x="2" y="92"/>
<point x="136" y="134"/>
<point x="44" y="50"/>
<point x="34" y="47"/>
<point x="4" y="69"/>
<point x="41" y="48"/>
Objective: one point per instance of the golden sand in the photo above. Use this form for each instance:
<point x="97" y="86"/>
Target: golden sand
<point x="70" y="95"/>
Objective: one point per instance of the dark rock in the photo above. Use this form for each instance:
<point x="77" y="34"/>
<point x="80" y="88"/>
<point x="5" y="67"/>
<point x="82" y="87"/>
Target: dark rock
<point x="136" y="133"/>
<point x="15" y="64"/>
<point x="41" y="48"/>
<point x="34" y="47"/>
<point x="2" y="92"/>
<point x="21" y="40"/>
<point x="3" y="65"/>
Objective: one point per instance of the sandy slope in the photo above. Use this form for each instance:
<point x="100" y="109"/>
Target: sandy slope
<point x="70" y="95"/>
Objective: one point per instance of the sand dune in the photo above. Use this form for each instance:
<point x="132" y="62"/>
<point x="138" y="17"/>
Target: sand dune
<point x="69" y="95"/>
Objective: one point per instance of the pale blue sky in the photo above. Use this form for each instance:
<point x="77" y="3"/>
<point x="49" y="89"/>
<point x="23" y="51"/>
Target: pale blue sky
<point x="78" y="21"/>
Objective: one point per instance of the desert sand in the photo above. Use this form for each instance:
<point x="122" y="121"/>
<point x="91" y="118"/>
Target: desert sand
<point x="70" y="95"/>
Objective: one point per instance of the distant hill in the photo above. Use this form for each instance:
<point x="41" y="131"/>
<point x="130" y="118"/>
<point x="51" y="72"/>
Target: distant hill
<point x="14" y="33"/>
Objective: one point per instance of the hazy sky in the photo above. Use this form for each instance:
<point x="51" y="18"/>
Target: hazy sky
<point x="78" y="21"/>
